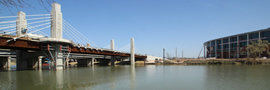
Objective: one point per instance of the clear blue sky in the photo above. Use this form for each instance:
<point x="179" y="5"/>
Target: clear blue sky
<point x="158" y="24"/>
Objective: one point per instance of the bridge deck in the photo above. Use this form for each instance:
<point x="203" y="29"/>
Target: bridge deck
<point x="28" y="43"/>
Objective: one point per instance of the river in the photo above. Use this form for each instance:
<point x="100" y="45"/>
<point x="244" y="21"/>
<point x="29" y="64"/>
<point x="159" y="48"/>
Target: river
<point x="148" y="77"/>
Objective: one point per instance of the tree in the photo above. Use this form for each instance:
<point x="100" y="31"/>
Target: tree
<point x="23" y="3"/>
<point x="256" y="48"/>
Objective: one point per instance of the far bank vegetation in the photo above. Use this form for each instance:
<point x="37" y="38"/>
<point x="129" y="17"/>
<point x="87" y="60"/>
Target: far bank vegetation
<point x="256" y="49"/>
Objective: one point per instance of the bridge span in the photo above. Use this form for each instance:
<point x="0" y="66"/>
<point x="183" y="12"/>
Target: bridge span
<point x="30" y="51"/>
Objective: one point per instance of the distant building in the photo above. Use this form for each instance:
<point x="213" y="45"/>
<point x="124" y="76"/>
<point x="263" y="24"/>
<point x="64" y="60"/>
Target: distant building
<point x="152" y="59"/>
<point x="230" y="46"/>
<point x="149" y="57"/>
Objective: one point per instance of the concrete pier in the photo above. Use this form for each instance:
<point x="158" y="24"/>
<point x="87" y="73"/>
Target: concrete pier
<point x="113" y="58"/>
<point x="93" y="62"/>
<point x="27" y="59"/>
<point x="59" y="60"/>
<point x="84" y="62"/>
<point x="5" y="62"/>
<point x="104" y="62"/>
<point x="40" y="62"/>
<point x="67" y="62"/>
<point x="20" y="60"/>
<point x="8" y="62"/>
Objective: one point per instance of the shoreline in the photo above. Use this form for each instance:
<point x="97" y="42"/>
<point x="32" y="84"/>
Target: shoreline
<point x="217" y="61"/>
<point x="191" y="62"/>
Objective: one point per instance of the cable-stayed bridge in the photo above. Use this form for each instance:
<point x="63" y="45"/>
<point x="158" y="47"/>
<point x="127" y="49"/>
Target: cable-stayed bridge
<point x="31" y="39"/>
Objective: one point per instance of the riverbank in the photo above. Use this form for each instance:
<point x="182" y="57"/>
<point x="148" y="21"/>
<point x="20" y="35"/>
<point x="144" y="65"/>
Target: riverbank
<point x="193" y="62"/>
<point x="217" y="61"/>
<point x="188" y="62"/>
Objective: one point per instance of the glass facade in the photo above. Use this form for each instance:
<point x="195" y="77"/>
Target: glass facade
<point x="226" y="48"/>
<point x="219" y="45"/>
<point x="254" y="35"/>
<point x="265" y="34"/>
<point x="233" y="39"/>
<point x="213" y="43"/>
<point x="243" y="37"/>
<point x="234" y="46"/>
<point x="226" y="40"/>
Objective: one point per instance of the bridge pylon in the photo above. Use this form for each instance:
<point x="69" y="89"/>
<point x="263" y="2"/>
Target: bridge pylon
<point x="21" y="24"/>
<point x="56" y="21"/>
<point x="112" y="44"/>
<point x="132" y="52"/>
<point x="57" y="33"/>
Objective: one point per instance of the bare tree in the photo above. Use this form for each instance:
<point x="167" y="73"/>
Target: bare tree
<point x="23" y="3"/>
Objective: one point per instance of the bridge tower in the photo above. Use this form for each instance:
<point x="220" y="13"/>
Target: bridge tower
<point x="132" y="52"/>
<point x="56" y="33"/>
<point x="112" y="45"/>
<point x="113" y="58"/>
<point x="56" y="21"/>
<point x="24" y="59"/>
<point x="21" y="24"/>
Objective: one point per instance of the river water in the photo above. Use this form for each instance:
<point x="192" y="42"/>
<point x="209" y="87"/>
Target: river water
<point x="149" y="77"/>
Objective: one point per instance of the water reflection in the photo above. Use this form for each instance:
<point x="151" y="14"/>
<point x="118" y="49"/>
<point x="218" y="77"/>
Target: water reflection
<point x="137" y="78"/>
<point x="112" y="77"/>
<point x="133" y="77"/>
<point x="151" y="70"/>
<point x="40" y="77"/>
<point x="237" y="77"/>
<point x="6" y="80"/>
<point x="59" y="79"/>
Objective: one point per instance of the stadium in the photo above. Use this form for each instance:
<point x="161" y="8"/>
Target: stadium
<point x="231" y="46"/>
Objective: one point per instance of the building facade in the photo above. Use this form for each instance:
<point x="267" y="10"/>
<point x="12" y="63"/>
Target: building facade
<point x="231" y="46"/>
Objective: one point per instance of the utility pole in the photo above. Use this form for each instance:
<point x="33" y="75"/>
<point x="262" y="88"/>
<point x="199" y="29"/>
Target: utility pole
<point x="163" y="54"/>
<point x="176" y="53"/>
<point x="168" y="56"/>
<point x="182" y="54"/>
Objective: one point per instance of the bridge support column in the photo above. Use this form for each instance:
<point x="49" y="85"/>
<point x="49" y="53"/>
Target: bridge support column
<point x="113" y="60"/>
<point x="84" y="62"/>
<point x="27" y="59"/>
<point x="20" y="60"/>
<point x="59" y="61"/>
<point x="8" y="62"/>
<point x="93" y="62"/>
<point x="104" y="62"/>
<point x="132" y="52"/>
<point x="8" y="65"/>
<point x="67" y="62"/>
<point x="40" y="62"/>
<point x="5" y="62"/>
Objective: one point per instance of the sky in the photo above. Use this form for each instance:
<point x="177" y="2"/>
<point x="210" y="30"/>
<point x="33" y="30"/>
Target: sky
<point x="158" y="24"/>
